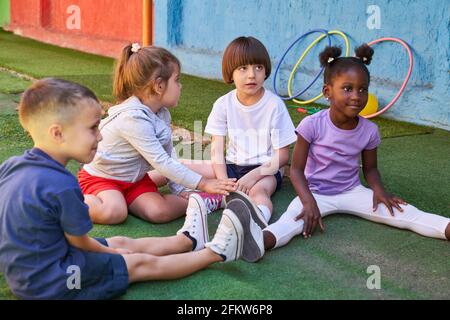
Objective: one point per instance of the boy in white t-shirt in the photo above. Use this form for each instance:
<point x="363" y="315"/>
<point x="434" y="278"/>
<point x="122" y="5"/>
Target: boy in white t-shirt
<point x="258" y="127"/>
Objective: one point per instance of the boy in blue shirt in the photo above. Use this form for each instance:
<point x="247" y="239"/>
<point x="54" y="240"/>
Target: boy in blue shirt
<point x="45" y="252"/>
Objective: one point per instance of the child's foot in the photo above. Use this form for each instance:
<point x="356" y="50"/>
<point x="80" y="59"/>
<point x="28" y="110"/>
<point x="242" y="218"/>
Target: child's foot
<point x="196" y="224"/>
<point x="257" y="215"/>
<point x="253" y="248"/>
<point x="213" y="202"/>
<point x="238" y="235"/>
<point x="229" y="237"/>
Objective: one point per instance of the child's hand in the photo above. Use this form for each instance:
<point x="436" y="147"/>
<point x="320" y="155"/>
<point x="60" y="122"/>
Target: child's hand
<point x="311" y="217"/>
<point x="218" y="186"/>
<point x="246" y="182"/>
<point x="122" y="251"/>
<point x="389" y="201"/>
<point x="185" y="194"/>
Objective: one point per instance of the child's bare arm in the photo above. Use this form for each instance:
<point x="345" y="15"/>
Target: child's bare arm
<point x="217" y="157"/>
<point x="89" y="244"/>
<point x="370" y="170"/>
<point x="279" y="159"/>
<point x="373" y="178"/>
<point x="310" y="213"/>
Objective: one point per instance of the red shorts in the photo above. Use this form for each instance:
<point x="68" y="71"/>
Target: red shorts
<point x="94" y="185"/>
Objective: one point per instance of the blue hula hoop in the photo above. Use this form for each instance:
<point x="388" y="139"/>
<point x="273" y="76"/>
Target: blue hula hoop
<point x="284" y="55"/>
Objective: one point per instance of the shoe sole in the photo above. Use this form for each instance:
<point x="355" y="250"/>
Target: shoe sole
<point x="204" y="217"/>
<point x="254" y="210"/>
<point x="251" y="251"/>
<point x="237" y="224"/>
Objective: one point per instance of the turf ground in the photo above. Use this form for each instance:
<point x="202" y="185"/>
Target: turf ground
<point x="413" y="160"/>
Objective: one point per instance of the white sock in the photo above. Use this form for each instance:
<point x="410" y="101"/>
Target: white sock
<point x="265" y="211"/>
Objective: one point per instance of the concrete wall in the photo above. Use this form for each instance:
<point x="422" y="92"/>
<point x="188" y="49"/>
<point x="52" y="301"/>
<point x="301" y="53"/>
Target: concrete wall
<point x="100" y="26"/>
<point x="197" y="31"/>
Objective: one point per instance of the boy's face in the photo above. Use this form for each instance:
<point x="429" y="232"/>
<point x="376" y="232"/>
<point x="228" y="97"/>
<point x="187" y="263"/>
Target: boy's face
<point x="249" y="79"/>
<point x="81" y="136"/>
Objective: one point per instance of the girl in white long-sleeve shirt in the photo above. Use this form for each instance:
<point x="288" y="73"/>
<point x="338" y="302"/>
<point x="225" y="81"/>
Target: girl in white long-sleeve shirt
<point x="136" y="139"/>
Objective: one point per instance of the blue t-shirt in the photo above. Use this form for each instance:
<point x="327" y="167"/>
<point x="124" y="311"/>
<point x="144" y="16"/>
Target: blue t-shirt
<point x="39" y="201"/>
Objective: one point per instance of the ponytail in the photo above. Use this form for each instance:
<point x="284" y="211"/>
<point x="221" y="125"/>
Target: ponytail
<point x="138" y="69"/>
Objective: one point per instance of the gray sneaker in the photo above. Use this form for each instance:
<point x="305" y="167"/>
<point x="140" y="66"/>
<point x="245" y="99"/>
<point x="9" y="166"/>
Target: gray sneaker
<point x="253" y="247"/>
<point x="257" y="215"/>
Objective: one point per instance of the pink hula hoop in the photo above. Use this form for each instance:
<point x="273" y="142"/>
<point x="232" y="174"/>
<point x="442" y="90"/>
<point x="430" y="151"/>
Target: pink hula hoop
<point x="402" y="88"/>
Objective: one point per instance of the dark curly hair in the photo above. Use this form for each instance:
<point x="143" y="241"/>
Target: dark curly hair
<point x="334" y="64"/>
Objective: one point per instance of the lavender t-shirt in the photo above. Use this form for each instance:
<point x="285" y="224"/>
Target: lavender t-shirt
<point x="333" y="159"/>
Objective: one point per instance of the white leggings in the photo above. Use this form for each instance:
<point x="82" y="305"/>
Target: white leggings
<point x="359" y="202"/>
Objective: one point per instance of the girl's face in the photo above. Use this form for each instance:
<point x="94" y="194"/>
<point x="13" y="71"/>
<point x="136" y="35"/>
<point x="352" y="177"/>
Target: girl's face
<point x="172" y="91"/>
<point x="249" y="79"/>
<point x="348" y="92"/>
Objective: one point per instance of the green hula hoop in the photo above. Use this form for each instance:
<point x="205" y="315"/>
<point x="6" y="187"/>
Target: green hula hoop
<point x="291" y="77"/>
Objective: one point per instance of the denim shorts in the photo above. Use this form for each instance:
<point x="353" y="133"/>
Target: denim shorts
<point x="103" y="276"/>
<point x="236" y="171"/>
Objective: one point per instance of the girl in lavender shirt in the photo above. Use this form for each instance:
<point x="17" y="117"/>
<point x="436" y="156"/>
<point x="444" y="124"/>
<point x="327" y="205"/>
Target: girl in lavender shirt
<point x="325" y="166"/>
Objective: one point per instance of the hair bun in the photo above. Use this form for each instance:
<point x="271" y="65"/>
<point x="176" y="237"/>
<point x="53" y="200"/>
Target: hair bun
<point x="365" y="53"/>
<point x="328" y="55"/>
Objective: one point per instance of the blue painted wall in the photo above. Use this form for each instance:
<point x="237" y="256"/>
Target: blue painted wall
<point x="197" y="31"/>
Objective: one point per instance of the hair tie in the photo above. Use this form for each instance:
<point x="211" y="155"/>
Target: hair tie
<point x="330" y="59"/>
<point x="135" y="47"/>
<point x="364" y="59"/>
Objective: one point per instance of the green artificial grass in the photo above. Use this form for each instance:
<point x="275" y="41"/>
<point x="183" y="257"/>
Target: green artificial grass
<point x="10" y="84"/>
<point x="332" y="265"/>
<point x="11" y="87"/>
<point x="41" y="60"/>
<point x="328" y="266"/>
<point x="8" y="103"/>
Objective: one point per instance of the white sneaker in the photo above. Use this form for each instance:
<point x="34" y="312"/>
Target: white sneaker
<point x="253" y="247"/>
<point x="228" y="240"/>
<point x="196" y="224"/>
<point x="256" y="213"/>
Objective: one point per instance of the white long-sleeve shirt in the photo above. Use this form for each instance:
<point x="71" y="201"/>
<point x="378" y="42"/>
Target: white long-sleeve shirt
<point x="135" y="141"/>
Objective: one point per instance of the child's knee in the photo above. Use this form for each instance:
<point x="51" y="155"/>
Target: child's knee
<point x="142" y="267"/>
<point x="118" y="242"/>
<point x="258" y="192"/>
<point x="114" y="214"/>
<point x="158" y="214"/>
<point x="148" y="263"/>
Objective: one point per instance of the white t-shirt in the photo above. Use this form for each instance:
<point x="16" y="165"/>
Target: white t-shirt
<point x="253" y="132"/>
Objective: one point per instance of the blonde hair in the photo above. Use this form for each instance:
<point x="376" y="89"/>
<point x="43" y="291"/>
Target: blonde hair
<point x="243" y="51"/>
<point x="54" y="97"/>
<point x="137" y="70"/>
